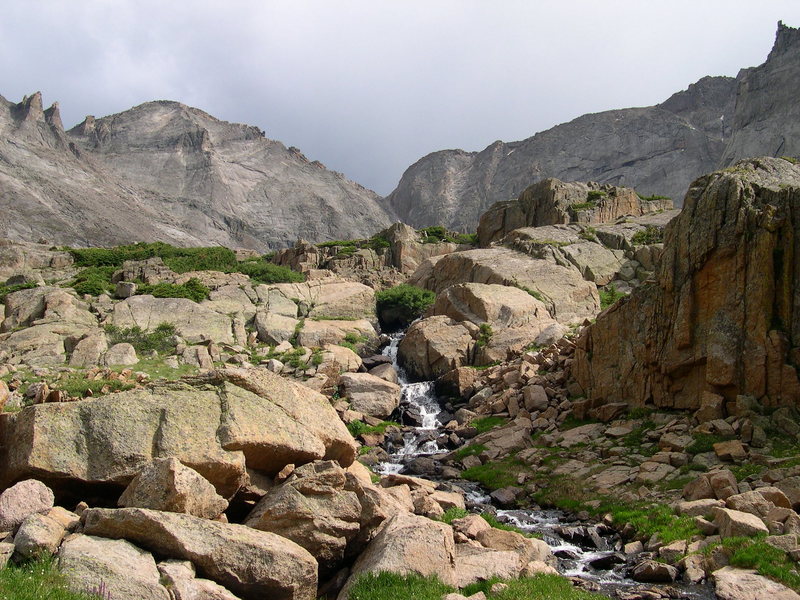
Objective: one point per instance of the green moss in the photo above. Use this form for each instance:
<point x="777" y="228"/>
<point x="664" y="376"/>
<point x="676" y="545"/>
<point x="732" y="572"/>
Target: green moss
<point x="484" y="424"/>
<point x="356" y="428"/>
<point x="471" y="450"/>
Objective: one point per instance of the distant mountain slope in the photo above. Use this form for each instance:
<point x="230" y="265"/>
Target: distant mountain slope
<point x="165" y="171"/>
<point x="657" y="150"/>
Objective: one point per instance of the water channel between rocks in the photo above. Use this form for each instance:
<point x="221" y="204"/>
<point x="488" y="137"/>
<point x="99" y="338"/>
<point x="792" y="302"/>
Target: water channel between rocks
<point x="587" y="551"/>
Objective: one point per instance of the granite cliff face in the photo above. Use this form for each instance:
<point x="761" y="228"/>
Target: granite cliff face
<point x="656" y="150"/>
<point x="721" y="318"/>
<point x="165" y="171"/>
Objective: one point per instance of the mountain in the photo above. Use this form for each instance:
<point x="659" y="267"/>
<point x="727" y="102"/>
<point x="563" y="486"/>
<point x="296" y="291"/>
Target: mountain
<point x="166" y="171"/>
<point x="657" y="150"/>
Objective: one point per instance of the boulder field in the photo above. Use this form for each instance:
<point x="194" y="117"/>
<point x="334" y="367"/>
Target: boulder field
<point x="220" y="447"/>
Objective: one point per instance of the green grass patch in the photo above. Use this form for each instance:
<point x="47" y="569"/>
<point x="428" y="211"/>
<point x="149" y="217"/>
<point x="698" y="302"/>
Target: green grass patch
<point x="497" y="474"/>
<point x="609" y="296"/>
<point x="754" y="553"/>
<point x="492" y="520"/>
<point x="649" y="235"/>
<point x="484" y="335"/>
<point x="636" y="437"/>
<point x="704" y="442"/>
<point x="76" y="385"/>
<point x="160" y="340"/>
<point x="356" y="428"/>
<point x="39" y="580"/>
<point x="391" y="586"/>
<point x="583" y="206"/>
<point x="471" y="450"/>
<point x="94" y="280"/>
<point x="156" y="369"/>
<point x="437" y="234"/>
<point x="484" y="424"/>
<point x="453" y="513"/>
<point x="653" y="197"/>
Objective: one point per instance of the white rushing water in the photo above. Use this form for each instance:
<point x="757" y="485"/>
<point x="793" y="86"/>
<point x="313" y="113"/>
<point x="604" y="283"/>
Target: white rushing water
<point x="420" y="398"/>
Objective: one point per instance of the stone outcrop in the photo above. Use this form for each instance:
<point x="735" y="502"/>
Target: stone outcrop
<point x="216" y="425"/>
<point x="721" y="316"/>
<point x="235" y="187"/>
<point x="552" y="202"/>
<point x="370" y="395"/>
<point x="568" y="298"/>
<point x="744" y="584"/>
<point x="249" y="562"/>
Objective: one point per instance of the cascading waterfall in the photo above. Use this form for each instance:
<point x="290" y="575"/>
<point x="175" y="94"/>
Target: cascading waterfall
<point x="575" y="558"/>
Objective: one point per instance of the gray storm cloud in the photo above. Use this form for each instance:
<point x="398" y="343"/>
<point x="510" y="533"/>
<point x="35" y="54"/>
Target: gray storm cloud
<point x="368" y="87"/>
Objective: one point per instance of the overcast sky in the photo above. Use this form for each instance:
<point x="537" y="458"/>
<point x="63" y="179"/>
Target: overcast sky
<point x="368" y="87"/>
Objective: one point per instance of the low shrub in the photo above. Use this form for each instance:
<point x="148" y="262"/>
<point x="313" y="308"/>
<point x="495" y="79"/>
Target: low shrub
<point x="94" y="280"/>
<point x="609" y="296"/>
<point x="160" y="340"/>
<point x="400" y="305"/>
<point x="649" y="235"/>
<point x="484" y="424"/>
<point x="5" y="290"/>
<point x="356" y="428"/>
<point x="192" y="289"/>
<point x="453" y="513"/>
<point x="484" y="335"/>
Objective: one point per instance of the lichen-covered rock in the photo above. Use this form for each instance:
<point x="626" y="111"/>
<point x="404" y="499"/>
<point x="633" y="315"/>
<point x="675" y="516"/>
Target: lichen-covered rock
<point x="721" y="316"/>
<point x="166" y="484"/>
<point x="313" y="509"/>
<point x="214" y="424"/>
<point x="249" y="562"/>
<point x="114" y="568"/>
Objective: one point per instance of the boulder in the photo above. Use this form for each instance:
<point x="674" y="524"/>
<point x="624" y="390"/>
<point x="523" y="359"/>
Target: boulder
<point x="408" y="544"/>
<point x="329" y="331"/>
<point x="734" y="523"/>
<point x="274" y="328"/>
<point x="251" y="563"/>
<point x="650" y="571"/>
<point x="193" y="322"/>
<point x="168" y="485"/>
<point x="88" y="351"/>
<point x="23" y="499"/>
<point x="179" y="577"/>
<point x="121" y="354"/>
<point x="474" y="563"/>
<point x="38" y="535"/>
<point x="214" y="425"/>
<point x="434" y="346"/>
<point x="370" y="395"/>
<point x="327" y="299"/>
<point x="110" y="568"/>
<point x="568" y="297"/>
<point x="313" y="509"/>
<point x="527" y="549"/>
<point x="750" y="502"/>
<point x="743" y="584"/>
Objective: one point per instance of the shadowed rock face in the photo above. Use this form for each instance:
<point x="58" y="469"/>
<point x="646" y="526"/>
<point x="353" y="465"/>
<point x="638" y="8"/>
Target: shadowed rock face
<point x="166" y="171"/>
<point x="657" y="150"/>
<point x="723" y="315"/>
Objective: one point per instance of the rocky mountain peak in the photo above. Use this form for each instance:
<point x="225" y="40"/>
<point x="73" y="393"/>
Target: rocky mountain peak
<point x="787" y="39"/>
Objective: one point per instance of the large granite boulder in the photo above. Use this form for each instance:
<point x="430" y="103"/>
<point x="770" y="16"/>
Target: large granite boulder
<point x="193" y="322"/>
<point x="722" y="315"/>
<point x="408" y="544"/>
<point x="313" y="509"/>
<point x="214" y="424"/>
<point x="111" y="568"/>
<point x="330" y="298"/>
<point x="370" y="395"/>
<point x="251" y="563"/>
<point x="568" y="297"/>
<point x="435" y="346"/>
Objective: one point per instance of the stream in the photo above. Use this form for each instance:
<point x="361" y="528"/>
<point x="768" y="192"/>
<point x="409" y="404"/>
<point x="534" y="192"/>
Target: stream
<point x="585" y="550"/>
